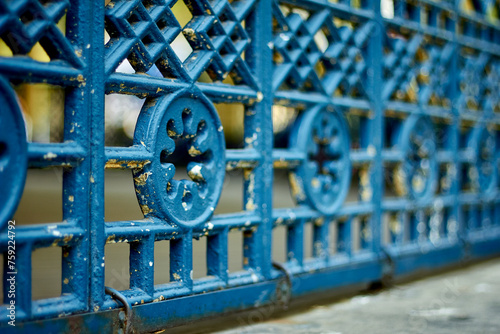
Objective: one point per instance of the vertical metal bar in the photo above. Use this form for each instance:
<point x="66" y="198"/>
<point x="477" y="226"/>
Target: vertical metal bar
<point x="404" y="220"/>
<point x="258" y="125"/>
<point x="473" y="217"/>
<point x="217" y="255"/>
<point x="398" y="235"/>
<point x="496" y="215"/>
<point x="445" y="216"/>
<point x="454" y="140"/>
<point x="345" y="236"/>
<point x="142" y="265"/>
<point x="365" y="233"/>
<point x="374" y="79"/>
<point x="74" y="267"/>
<point x="84" y="184"/>
<point x="295" y="242"/>
<point x="412" y="232"/>
<point x="181" y="260"/>
<point x="252" y="243"/>
<point x="95" y="97"/>
<point x="321" y="238"/>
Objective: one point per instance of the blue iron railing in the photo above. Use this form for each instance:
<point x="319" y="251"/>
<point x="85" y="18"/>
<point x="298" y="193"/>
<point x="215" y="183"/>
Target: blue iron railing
<point x="400" y="103"/>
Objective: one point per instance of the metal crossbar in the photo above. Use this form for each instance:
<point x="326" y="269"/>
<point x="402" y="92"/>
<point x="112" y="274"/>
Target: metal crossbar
<point x="398" y="104"/>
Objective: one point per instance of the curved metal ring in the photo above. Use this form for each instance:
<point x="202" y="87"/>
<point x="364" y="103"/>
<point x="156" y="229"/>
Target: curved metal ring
<point x="13" y="153"/>
<point x="483" y="145"/>
<point x="323" y="179"/>
<point x="417" y="175"/>
<point x="185" y="122"/>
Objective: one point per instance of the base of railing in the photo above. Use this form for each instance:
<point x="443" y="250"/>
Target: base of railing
<point x="254" y="303"/>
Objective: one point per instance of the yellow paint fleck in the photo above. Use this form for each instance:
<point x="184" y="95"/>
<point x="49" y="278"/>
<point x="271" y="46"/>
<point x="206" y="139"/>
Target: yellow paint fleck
<point x="141" y="179"/>
<point x="250" y="206"/>
<point x="315" y="182"/>
<point x="296" y="187"/>
<point x="68" y="238"/>
<point x="146" y="209"/>
<point x="193" y="151"/>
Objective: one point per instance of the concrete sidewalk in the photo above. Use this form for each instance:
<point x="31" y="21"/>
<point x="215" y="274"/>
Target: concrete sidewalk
<point x="461" y="301"/>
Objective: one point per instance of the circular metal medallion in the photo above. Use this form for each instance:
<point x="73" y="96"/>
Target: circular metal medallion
<point x="182" y="121"/>
<point x="323" y="179"/>
<point x="417" y="175"/>
<point x="483" y="146"/>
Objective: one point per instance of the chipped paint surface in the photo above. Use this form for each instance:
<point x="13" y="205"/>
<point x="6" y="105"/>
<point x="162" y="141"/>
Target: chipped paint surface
<point x="50" y="156"/>
<point x="260" y="96"/>
<point x="141" y="179"/>
<point x="146" y="209"/>
<point x="296" y="187"/>
<point x="195" y="173"/>
<point x="124" y="164"/>
<point x="371" y="150"/>
<point x="250" y="205"/>
<point x="193" y="151"/>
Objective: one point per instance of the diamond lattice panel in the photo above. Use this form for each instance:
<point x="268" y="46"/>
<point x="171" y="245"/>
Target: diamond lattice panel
<point x="479" y="83"/>
<point x="312" y="52"/>
<point x="144" y="31"/>
<point x="417" y="70"/>
<point x="24" y="23"/>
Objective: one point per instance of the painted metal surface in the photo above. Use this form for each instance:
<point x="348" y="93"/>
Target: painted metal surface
<point x="13" y="151"/>
<point x="162" y="124"/>
<point x="404" y="98"/>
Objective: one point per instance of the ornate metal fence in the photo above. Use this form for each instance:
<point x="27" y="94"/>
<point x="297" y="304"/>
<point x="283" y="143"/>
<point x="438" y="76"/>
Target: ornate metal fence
<point x="398" y="104"/>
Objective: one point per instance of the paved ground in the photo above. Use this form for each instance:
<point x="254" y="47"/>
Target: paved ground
<point x="463" y="301"/>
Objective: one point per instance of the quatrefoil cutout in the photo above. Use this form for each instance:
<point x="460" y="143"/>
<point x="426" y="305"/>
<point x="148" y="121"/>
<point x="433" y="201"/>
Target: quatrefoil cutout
<point x="183" y="121"/>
